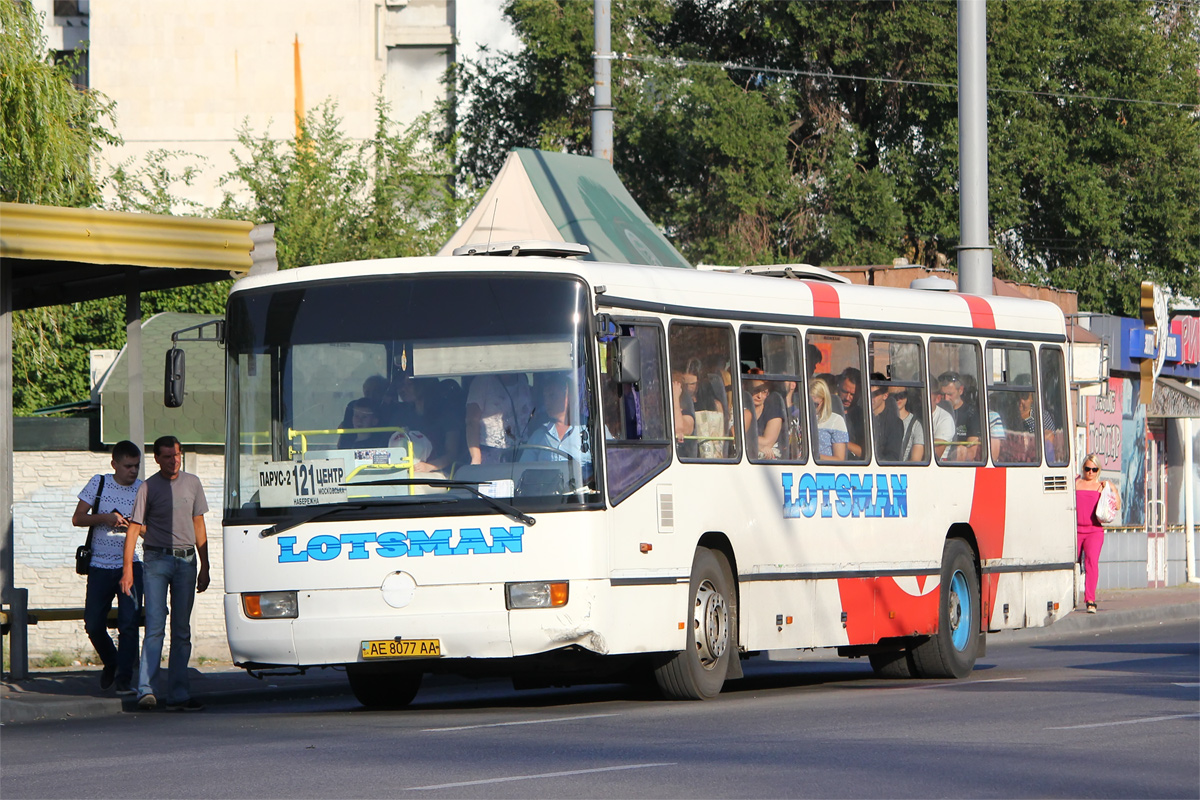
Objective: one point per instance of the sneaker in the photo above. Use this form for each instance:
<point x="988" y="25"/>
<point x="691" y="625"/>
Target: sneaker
<point x="125" y="690"/>
<point x="191" y="704"/>
<point x="146" y="702"/>
<point x="108" y="675"/>
<point x="1091" y="608"/>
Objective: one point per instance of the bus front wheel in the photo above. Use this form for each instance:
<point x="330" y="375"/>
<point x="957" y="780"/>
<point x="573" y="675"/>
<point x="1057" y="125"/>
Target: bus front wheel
<point x="698" y="672"/>
<point x="379" y="687"/>
<point x="951" y="652"/>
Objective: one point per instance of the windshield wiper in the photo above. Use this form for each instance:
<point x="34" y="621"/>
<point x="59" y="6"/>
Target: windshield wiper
<point x="471" y="486"/>
<point x="280" y="527"/>
<point x="333" y="508"/>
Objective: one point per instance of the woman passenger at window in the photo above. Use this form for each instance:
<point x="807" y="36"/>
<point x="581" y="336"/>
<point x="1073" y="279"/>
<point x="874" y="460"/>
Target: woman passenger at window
<point x="768" y="416"/>
<point x="831" y="427"/>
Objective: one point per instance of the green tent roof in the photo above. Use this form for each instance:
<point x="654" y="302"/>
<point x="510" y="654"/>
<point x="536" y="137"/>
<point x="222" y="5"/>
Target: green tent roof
<point x="538" y="195"/>
<point x="201" y="419"/>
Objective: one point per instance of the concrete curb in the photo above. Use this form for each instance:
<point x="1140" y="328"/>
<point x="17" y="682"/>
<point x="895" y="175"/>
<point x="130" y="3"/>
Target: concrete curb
<point x="17" y="710"/>
<point x="1079" y="621"/>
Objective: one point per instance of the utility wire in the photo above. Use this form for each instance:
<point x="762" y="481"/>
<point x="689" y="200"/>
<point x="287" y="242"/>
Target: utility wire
<point x="681" y="62"/>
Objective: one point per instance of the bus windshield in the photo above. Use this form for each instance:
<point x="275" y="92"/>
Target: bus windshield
<point x="413" y="394"/>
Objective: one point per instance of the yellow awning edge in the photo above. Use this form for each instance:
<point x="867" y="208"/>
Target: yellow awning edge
<point x="51" y="233"/>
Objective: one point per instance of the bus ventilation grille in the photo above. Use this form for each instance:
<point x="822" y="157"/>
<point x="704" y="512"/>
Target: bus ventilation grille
<point x="1054" y="483"/>
<point x="666" y="510"/>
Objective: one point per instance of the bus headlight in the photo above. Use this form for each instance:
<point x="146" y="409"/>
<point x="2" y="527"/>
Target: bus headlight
<point x="535" y="594"/>
<point x="270" y="605"/>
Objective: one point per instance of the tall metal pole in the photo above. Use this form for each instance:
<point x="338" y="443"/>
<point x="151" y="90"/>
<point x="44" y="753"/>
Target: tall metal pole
<point x="974" y="252"/>
<point x="133" y="357"/>
<point x="602" y="111"/>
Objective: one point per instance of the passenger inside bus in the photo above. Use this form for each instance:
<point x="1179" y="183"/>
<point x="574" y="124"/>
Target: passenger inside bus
<point x="885" y="421"/>
<point x="499" y="410"/>
<point x="711" y="404"/>
<point x="965" y="445"/>
<point x="768" y="414"/>
<point x="435" y="415"/>
<point x="831" y="427"/>
<point x="374" y="388"/>
<point x="849" y="387"/>
<point x="942" y="423"/>
<point x="908" y="408"/>
<point x="683" y="402"/>
<point x="554" y="436"/>
<point x="794" y="437"/>
<point x="364" y="413"/>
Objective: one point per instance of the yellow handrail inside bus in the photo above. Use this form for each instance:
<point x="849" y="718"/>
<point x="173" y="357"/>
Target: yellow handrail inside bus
<point x="292" y="434"/>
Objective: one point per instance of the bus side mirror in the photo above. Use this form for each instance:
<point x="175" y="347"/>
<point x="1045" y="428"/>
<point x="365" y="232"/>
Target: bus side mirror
<point x="173" y="379"/>
<point x="629" y="359"/>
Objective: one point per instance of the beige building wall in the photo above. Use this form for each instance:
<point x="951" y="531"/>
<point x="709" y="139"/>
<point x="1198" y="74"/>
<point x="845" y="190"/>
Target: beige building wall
<point x="186" y="74"/>
<point x="46" y="486"/>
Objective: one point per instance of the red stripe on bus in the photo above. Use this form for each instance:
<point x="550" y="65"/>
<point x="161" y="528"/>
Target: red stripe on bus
<point x="987" y="521"/>
<point x="879" y="608"/>
<point x="826" y="302"/>
<point x="981" y="311"/>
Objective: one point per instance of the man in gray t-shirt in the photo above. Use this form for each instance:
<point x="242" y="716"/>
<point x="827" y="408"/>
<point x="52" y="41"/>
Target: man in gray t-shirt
<point x="169" y="512"/>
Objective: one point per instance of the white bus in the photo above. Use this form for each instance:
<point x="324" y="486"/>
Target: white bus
<point x="568" y="471"/>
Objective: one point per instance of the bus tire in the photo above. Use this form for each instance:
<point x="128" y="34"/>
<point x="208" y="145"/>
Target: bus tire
<point x="951" y="652"/>
<point x="699" y="671"/>
<point x="892" y="664"/>
<point x="379" y="688"/>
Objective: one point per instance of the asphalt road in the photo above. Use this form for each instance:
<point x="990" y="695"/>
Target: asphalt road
<point x="1112" y="714"/>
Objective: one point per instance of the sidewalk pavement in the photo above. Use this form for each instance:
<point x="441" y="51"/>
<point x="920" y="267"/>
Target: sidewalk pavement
<point x="74" y="693"/>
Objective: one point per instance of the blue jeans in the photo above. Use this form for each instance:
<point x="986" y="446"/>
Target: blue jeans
<point x="162" y="573"/>
<point x="102" y="586"/>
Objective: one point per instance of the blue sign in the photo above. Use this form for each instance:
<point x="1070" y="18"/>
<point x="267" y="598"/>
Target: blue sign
<point x="844" y="494"/>
<point x="402" y="544"/>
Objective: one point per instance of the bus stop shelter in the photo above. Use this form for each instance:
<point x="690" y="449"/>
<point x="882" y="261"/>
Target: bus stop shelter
<point x="53" y="256"/>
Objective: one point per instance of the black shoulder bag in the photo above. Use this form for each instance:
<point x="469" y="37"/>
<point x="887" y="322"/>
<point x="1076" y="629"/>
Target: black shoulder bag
<point x="83" y="555"/>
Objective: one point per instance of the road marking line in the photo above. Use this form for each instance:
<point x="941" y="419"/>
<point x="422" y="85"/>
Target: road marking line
<point x="1124" y="722"/>
<point x="535" y="777"/>
<point x="519" y="722"/>
<point x="944" y="685"/>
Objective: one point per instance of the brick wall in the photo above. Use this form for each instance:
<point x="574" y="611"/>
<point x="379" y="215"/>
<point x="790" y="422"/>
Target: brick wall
<point x="45" y="490"/>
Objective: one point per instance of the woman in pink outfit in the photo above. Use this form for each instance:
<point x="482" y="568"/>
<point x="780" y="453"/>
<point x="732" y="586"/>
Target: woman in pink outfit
<point x="1089" y="534"/>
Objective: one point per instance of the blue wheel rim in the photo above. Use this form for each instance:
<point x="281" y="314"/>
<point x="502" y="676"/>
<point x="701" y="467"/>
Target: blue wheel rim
<point x="959" y="611"/>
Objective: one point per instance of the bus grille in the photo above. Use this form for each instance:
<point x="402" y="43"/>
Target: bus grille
<point x="1054" y="483"/>
<point x="666" y="510"/>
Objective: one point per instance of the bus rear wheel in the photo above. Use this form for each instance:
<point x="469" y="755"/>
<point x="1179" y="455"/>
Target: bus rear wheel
<point x="379" y="686"/>
<point x="892" y="664"/>
<point x="951" y="652"/>
<point x="698" y="672"/>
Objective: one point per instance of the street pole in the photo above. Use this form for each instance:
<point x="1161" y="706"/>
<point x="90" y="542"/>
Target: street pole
<point x="602" y="111"/>
<point x="974" y="252"/>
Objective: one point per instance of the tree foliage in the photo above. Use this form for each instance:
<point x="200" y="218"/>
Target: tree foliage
<point x="827" y="131"/>
<point x="50" y="130"/>
<point x="333" y="200"/>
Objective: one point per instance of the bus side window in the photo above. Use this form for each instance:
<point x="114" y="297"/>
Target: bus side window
<point x="700" y="402"/>
<point x="1012" y="420"/>
<point x="899" y="422"/>
<point x="634" y="415"/>
<point x="955" y="401"/>
<point x="774" y="396"/>
<point x="1054" y="408"/>
<point x="836" y="408"/>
